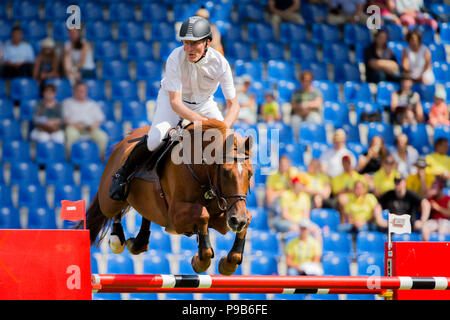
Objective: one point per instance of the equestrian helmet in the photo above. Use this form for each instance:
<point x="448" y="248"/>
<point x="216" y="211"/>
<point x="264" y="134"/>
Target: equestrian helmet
<point x="195" y="28"/>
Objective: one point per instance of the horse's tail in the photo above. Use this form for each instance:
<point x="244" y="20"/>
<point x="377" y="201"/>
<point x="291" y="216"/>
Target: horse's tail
<point x="96" y="222"/>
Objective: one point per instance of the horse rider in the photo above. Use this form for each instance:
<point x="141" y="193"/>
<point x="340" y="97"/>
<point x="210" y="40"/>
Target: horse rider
<point x="192" y="76"/>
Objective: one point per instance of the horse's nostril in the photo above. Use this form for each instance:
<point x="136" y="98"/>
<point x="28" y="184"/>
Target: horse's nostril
<point x="233" y="221"/>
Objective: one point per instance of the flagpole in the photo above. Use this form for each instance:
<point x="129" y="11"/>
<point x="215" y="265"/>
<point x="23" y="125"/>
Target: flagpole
<point x="84" y="218"/>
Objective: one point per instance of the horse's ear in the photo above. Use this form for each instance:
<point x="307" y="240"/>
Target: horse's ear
<point x="248" y="143"/>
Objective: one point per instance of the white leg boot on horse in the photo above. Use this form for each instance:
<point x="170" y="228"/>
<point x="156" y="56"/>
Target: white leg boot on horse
<point x="117" y="237"/>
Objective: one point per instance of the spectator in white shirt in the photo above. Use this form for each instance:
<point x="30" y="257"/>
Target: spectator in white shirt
<point x="18" y="56"/>
<point x="83" y="117"/>
<point x="331" y="160"/>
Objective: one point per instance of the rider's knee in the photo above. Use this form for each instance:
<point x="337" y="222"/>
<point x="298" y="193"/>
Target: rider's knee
<point x="153" y="142"/>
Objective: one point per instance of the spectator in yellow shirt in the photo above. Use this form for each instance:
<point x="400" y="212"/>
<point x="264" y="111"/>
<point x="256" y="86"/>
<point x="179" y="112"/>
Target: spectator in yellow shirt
<point x="303" y="254"/>
<point x="421" y="181"/>
<point x="318" y="185"/>
<point x="270" y="109"/>
<point x="360" y="210"/>
<point x="295" y="206"/>
<point x="439" y="162"/>
<point x="383" y="179"/>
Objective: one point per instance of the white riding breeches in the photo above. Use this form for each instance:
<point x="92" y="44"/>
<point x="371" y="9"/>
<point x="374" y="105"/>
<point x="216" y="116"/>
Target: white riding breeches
<point x="165" y="118"/>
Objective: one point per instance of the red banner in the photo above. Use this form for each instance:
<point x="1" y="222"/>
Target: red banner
<point x="73" y="210"/>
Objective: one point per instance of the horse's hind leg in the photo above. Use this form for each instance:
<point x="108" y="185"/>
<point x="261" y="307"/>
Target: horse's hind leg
<point x="140" y="243"/>
<point x="229" y="263"/>
<point x="117" y="237"/>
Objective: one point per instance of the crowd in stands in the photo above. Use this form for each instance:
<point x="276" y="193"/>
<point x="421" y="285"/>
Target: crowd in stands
<point x="388" y="125"/>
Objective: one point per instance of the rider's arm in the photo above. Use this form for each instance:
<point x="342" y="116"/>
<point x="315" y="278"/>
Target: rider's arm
<point x="184" y="112"/>
<point x="233" y="111"/>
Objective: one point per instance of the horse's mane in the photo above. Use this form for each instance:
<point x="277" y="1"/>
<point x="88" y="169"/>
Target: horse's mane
<point x="210" y="124"/>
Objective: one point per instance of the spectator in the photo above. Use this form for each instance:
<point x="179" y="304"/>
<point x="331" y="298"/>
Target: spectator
<point x="370" y="161"/>
<point x="387" y="10"/>
<point x="421" y="181"/>
<point x="331" y="160"/>
<point x="304" y="253"/>
<point x="284" y="11"/>
<point x="18" y="56"/>
<point x="270" y="109"/>
<point x="47" y="119"/>
<point x="307" y="102"/>
<point x="247" y="101"/>
<point x="342" y="11"/>
<point x="380" y="61"/>
<point x="83" y="118"/>
<point x="411" y="13"/>
<point x="216" y="41"/>
<point x="318" y="185"/>
<point x="360" y="209"/>
<point x="439" y="114"/>
<point x="416" y="59"/>
<point x="1" y="53"/>
<point x="78" y="60"/>
<point x="402" y="201"/>
<point x="295" y="206"/>
<point x="438" y="161"/>
<point x="404" y="154"/>
<point x="343" y="184"/>
<point x="383" y="179"/>
<point x="440" y="211"/>
<point x="406" y="106"/>
<point x="47" y="62"/>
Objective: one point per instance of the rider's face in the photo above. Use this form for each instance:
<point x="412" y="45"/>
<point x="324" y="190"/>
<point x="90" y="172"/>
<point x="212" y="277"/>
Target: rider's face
<point x="194" y="49"/>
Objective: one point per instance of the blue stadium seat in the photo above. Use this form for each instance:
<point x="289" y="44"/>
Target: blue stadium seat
<point x="6" y="109"/>
<point x="2" y="88"/>
<point x="219" y="11"/>
<point x="188" y="244"/>
<point x="437" y="52"/>
<point x="384" y="92"/>
<point x="114" y="130"/>
<point x="55" y="10"/>
<point x="215" y="296"/>
<point x="444" y="32"/>
<point x="339" y="242"/>
<point x="160" y="240"/>
<point x="370" y="241"/>
<point x="84" y="152"/>
<point x="365" y="106"/>
<point x="329" y="89"/>
<point x="250" y="12"/>
<point x="357" y="91"/>
<point x="260" y="32"/>
<point x="357" y="148"/>
<point x="59" y="173"/>
<point x="91" y="10"/>
<point x="131" y="31"/>
<point x="252" y="296"/>
<point x="238" y="50"/>
<point x="9" y="218"/>
<point x="356" y="33"/>
<point x="265" y="242"/>
<point x="48" y="152"/>
<point x="41" y="218"/>
<point x="426" y="92"/>
<point x="230" y="32"/>
<point x="251" y="68"/>
<point x="60" y="31"/>
<point x="15" y="150"/>
<point x="302" y="52"/>
<point x="96" y="89"/>
<point x="344" y="71"/>
<point x="184" y="262"/>
<point x="24" y="88"/>
<point x="140" y="50"/>
<point x="360" y="297"/>
<point x="32" y="195"/>
<point x="5" y="195"/>
<point x="418" y="136"/>
<point x="359" y="53"/>
<point x="25" y="10"/>
<point x="65" y="191"/>
<point x="143" y="296"/>
<point x="152" y="88"/>
<point x="125" y="90"/>
<point x="395" y="32"/>
<point x="154" y="12"/>
<point x="163" y="31"/>
<point x="34" y="30"/>
<point x="120" y="264"/>
<point x="259" y="217"/>
<point x="335" y="52"/>
<point x="5" y="29"/>
<point x="441" y="131"/>
<point x="98" y="30"/>
<point x="324" y="32"/>
<point x="107" y="108"/>
<point x="280" y="70"/>
<point x="91" y="173"/>
<point x="263" y="265"/>
<point x="335" y="113"/>
<point x="148" y="70"/>
<point x="285" y="133"/>
<point x="325" y="217"/>
<point x="397" y="47"/>
<point x="133" y="110"/>
<point x="284" y="296"/>
<point x="115" y="70"/>
<point x="435" y="236"/>
<point x="2" y="178"/>
<point x="312" y="132"/>
<point x="24" y="172"/>
<point x="291" y="33"/>
<point x="381" y="129"/>
<point x="156" y="263"/>
<point x="427" y="33"/>
<point x="3" y="10"/>
<point x="106" y="296"/>
<point x="371" y="264"/>
<point x="295" y="152"/>
<point x="121" y="11"/>
<point x="286" y="89"/>
<point x="166" y="48"/>
<point x="335" y="264"/>
<point x="63" y="88"/>
<point x="414" y="236"/>
<point x="270" y="51"/>
<point x="441" y="72"/>
<point x="319" y="69"/>
<point x="107" y="50"/>
<point x="182" y="11"/>
<point x="441" y="10"/>
<point x="313" y="13"/>
<point x="26" y="109"/>
<point x="317" y="148"/>
<point x="179" y="296"/>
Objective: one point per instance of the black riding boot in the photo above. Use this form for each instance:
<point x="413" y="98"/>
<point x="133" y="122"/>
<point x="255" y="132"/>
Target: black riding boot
<point x="137" y="156"/>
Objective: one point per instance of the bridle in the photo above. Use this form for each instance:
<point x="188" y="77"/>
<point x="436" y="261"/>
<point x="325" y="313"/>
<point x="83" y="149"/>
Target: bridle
<point x="215" y="192"/>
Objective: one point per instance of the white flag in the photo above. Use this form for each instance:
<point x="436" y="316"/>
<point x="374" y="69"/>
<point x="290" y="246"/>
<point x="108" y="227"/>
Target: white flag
<point x="399" y="224"/>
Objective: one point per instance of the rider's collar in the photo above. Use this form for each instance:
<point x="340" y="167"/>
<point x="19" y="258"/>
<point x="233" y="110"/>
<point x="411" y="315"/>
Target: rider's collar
<point x="202" y="59"/>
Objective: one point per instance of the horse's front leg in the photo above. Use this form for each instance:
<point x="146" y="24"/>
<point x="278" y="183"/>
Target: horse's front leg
<point x="117" y="237"/>
<point x="140" y="243"/>
<point x="229" y="263"/>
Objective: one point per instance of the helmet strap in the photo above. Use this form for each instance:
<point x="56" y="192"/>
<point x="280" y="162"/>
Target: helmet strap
<point x="204" y="52"/>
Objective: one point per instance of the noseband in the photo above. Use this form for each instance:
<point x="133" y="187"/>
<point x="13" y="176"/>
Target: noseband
<point x="215" y="192"/>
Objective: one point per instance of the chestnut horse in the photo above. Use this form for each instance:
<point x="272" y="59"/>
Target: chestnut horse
<point x="196" y="196"/>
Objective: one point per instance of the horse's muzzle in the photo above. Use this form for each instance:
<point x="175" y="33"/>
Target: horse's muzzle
<point x="237" y="224"/>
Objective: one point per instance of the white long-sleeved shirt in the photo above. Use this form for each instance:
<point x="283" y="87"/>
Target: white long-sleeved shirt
<point x="197" y="82"/>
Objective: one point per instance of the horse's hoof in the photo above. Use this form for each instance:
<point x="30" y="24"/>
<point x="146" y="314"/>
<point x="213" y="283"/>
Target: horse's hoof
<point x="115" y="244"/>
<point x="225" y="268"/>
<point x="199" y="266"/>
<point x="131" y="242"/>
